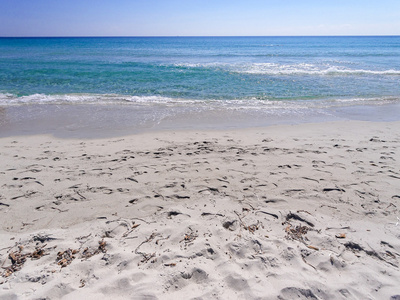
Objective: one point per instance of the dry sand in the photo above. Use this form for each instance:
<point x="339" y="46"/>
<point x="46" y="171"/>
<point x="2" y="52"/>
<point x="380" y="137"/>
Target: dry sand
<point x="288" y="212"/>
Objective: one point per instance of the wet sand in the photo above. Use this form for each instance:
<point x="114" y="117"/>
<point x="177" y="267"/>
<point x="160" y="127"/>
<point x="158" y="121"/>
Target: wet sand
<point x="93" y="121"/>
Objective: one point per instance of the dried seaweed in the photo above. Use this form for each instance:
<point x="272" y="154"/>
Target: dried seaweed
<point x="252" y="228"/>
<point x="189" y="237"/>
<point x="64" y="258"/>
<point x="297" y="233"/>
<point x="38" y="253"/>
<point x="87" y="253"/>
<point x="18" y="259"/>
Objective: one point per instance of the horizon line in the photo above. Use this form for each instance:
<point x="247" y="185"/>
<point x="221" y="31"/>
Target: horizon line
<point x="190" y="36"/>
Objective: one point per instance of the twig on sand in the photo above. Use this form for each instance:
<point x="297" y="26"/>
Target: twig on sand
<point x="131" y="229"/>
<point x="146" y="256"/>
<point x="143" y="220"/>
<point x="83" y="197"/>
<point x="302" y="256"/>
<point x="302" y="210"/>
<point x="297" y="217"/>
<point x="162" y="239"/>
<point x="240" y="219"/>
<point x="250" y="228"/>
<point x="60" y="210"/>
<point x="267" y="213"/>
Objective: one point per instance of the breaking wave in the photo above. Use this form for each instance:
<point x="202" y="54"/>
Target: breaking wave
<point x="288" y="69"/>
<point x="7" y="99"/>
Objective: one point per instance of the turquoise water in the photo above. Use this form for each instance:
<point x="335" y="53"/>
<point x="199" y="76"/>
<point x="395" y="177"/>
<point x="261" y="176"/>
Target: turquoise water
<point x="268" y="74"/>
<point x="263" y="68"/>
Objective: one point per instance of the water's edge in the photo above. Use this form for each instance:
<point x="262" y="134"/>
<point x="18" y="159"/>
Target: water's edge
<point x="103" y="121"/>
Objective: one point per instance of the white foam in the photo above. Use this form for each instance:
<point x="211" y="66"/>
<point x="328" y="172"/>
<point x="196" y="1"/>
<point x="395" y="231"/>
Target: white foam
<point x="202" y="65"/>
<point x="7" y="99"/>
<point x="10" y="99"/>
<point x="309" y="69"/>
<point x="289" y="69"/>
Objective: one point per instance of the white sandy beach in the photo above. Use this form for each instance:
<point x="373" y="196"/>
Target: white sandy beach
<point x="284" y="212"/>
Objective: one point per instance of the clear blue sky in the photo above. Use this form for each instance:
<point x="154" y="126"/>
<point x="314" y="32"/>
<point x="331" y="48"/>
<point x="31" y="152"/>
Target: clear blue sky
<point x="198" y="17"/>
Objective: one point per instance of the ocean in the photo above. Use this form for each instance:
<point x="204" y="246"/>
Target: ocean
<point x="184" y="82"/>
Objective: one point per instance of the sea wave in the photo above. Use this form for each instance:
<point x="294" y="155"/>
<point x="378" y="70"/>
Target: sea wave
<point x="310" y="69"/>
<point x="8" y="99"/>
<point x="288" y="69"/>
<point x="98" y="99"/>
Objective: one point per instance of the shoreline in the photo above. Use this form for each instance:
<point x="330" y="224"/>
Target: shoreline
<point x="304" y="211"/>
<point x="85" y="121"/>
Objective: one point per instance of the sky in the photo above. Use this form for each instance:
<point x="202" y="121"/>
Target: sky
<point x="198" y="17"/>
